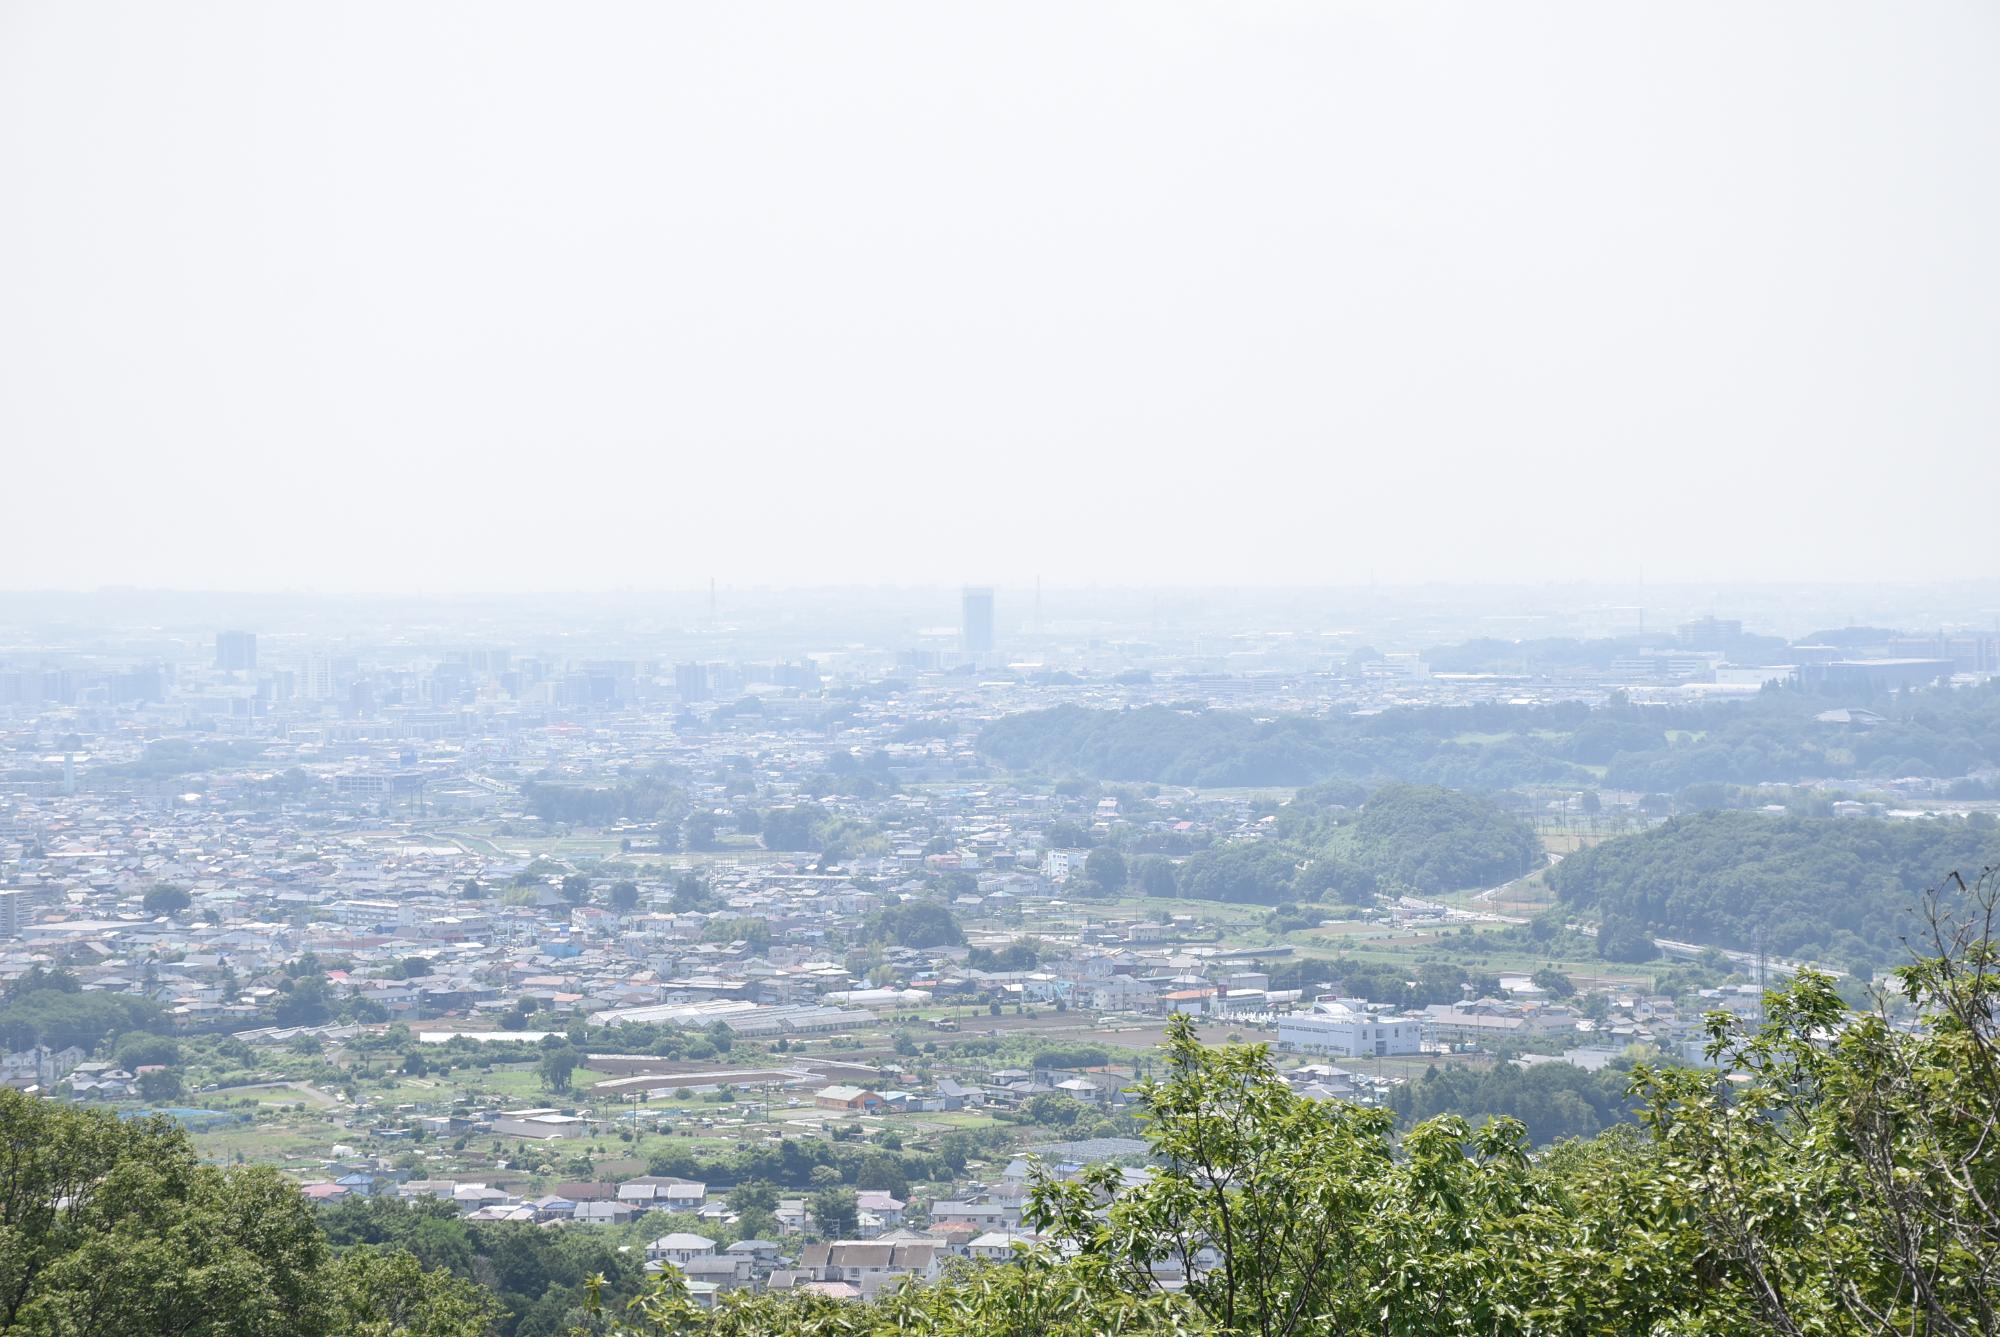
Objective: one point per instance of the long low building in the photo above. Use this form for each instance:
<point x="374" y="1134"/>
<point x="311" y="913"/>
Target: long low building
<point x="675" y="1014"/>
<point x="801" y="1020"/>
<point x="696" y="1081"/>
<point x="745" y="1019"/>
<point x="879" y="997"/>
<point x="1487" y="1018"/>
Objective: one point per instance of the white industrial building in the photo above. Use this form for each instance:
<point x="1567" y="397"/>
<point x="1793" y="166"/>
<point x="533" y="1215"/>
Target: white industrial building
<point x="1346" y="1026"/>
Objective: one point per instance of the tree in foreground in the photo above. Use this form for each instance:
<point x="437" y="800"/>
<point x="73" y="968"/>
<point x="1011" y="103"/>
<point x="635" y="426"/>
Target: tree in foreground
<point x="114" y="1226"/>
<point x="1273" y="1214"/>
<point x="1035" y="1296"/>
<point x="1847" y="1167"/>
<point x="1287" y="1215"/>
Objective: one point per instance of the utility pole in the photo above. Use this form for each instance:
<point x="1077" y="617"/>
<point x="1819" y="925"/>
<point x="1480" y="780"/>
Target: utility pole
<point x="1762" y="971"/>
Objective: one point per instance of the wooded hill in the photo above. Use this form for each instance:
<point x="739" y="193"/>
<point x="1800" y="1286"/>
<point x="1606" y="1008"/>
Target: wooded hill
<point x="1403" y="838"/>
<point x="1839" y="890"/>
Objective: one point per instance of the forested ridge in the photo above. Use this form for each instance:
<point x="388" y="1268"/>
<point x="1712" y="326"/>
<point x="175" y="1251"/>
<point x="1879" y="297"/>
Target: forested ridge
<point x="1838" y="890"/>
<point x="1831" y="1175"/>
<point x="1774" y="738"/>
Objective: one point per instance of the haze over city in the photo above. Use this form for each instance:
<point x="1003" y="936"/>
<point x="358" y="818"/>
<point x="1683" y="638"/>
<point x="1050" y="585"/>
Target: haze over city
<point x="395" y="298"/>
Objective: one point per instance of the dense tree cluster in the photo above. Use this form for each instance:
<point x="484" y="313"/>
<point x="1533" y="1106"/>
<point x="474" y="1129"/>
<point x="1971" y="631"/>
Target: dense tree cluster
<point x="1216" y="748"/>
<point x="1021" y="954"/>
<point x="165" y="899"/>
<point x="1417" y="838"/>
<point x="651" y="797"/>
<point x="164" y="758"/>
<point x="915" y="924"/>
<point x="1258" y="874"/>
<point x="1944" y="733"/>
<point x="540" y="1280"/>
<point x="48" y="1007"/>
<point x="1406" y="990"/>
<point x="1551" y="1100"/>
<point x="1105" y="869"/>
<point x="1838" y="890"/>
<point x="1071" y="1057"/>
<point x="1436" y="839"/>
<point x="115" y="1226"/>
<point x="801" y="1163"/>
<point x="793" y="828"/>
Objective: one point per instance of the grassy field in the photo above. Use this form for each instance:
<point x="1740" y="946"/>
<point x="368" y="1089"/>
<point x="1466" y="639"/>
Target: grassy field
<point x="266" y="1094"/>
<point x="281" y="1139"/>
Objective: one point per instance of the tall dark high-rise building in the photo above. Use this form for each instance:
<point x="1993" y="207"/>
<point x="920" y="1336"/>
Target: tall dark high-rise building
<point x="978" y="619"/>
<point x="236" y="651"/>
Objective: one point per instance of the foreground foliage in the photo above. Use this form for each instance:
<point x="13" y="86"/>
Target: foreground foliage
<point x="1852" y="1181"/>
<point x="110" y="1226"/>
<point x="1035" y="1297"/>
<point x="539" y="1276"/>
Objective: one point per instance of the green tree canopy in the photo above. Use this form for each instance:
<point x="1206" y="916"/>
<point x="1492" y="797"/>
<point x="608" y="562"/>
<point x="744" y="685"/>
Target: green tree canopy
<point x="915" y="924"/>
<point x="559" y="1060"/>
<point x="1105" y="867"/>
<point x="1837" y="890"/>
<point x="794" y="828"/>
<point x="833" y="1211"/>
<point x="165" y="899"/>
<point x="116" y="1226"/>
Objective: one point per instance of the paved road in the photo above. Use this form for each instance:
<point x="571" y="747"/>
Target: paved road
<point x="1491" y="892"/>
<point x="1776" y="965"/>
<point x="1747" y="961"/>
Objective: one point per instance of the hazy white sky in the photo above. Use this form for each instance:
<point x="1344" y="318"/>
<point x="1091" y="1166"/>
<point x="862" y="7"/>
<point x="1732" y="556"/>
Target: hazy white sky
<point x="423" y="296"/>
